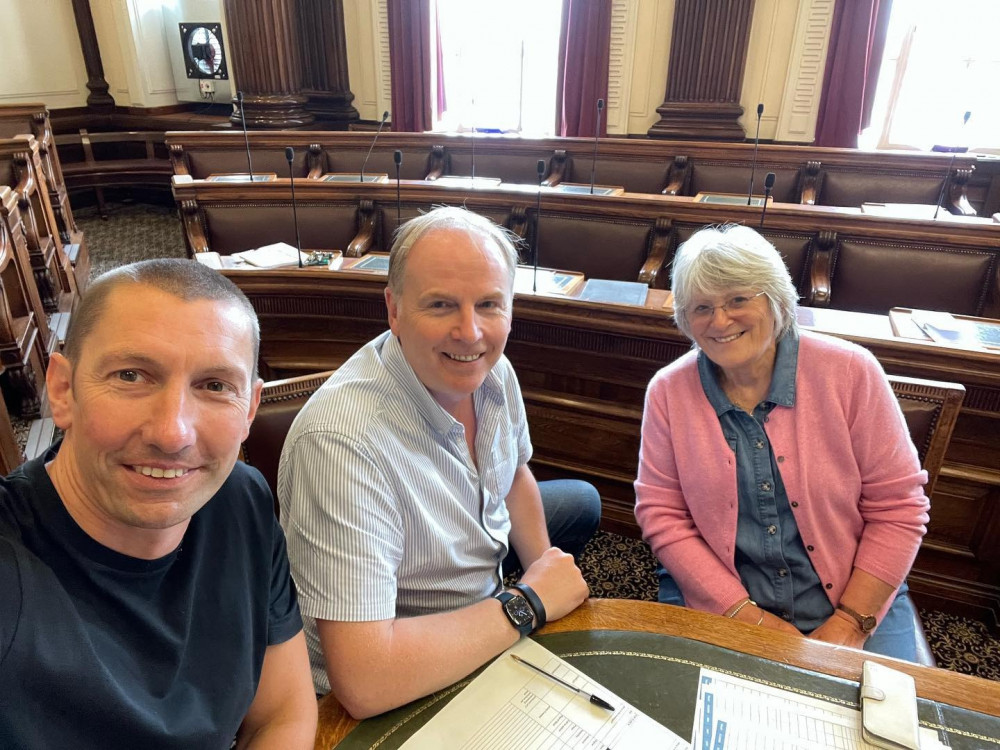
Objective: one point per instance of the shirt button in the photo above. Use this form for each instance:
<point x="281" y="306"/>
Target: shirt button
<point x="810" y="548"/>
<point x="786" y="616"/>
<point x="765" y="486"/>
<point x="772" y="529"/>
<point x="759" y="444"/>
<point x="795" y="504"/>
<point x="829" y="585"/>
<point x="781" y="459"/>
<point x="782" y="572"/>
<point x="766" y="419"/>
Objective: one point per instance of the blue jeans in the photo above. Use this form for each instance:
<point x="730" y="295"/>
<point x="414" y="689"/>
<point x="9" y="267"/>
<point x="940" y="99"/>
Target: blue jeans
<point x="572" y="515"/>
<point x="895" y="635"/>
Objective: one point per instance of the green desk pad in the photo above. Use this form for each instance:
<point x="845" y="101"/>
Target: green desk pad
<point x="658" y="674"/>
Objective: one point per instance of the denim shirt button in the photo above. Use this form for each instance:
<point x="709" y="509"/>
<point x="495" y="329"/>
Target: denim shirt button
<point x="759" y="444"/>
<point x="772" y="529"/>
<point x="765" y="486"/>
<point x="782" y="572"/>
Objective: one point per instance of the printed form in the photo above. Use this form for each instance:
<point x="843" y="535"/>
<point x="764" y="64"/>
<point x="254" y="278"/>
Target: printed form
<point x="511" y="706"/>
<point x="737" y="714"/>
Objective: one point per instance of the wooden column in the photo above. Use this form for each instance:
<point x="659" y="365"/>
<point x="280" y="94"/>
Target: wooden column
<point x="708" y="52"/>
<point x="99" y="99"/>
<point x="264" y="35"/>
<point x="324" y="61"/>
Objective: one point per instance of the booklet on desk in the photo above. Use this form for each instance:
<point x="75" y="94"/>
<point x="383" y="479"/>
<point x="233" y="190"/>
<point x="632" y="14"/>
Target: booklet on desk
<point x="271" y="256"/>
<point x="614" y="292"/>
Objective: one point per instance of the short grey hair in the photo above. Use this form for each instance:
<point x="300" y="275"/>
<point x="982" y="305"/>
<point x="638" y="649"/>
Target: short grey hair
<point x="187" y="280"/>
<point x="718" y="260"/>
<point x="448" y="217"/>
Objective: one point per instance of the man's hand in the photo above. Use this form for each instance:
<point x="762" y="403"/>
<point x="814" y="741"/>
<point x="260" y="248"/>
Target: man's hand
<point x="840" y="629"/>
<point x="558" y="583"/>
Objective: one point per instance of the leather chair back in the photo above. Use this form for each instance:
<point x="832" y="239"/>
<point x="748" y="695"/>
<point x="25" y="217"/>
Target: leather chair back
<point x="279" y="403"/>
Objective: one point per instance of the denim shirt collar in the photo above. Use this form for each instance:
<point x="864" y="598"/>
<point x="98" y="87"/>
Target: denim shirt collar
<point x="782" y="389"/>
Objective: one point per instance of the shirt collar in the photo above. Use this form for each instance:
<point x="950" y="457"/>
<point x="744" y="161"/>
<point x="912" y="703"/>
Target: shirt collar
<point x="440" y="420"/>
<point x="782" y="389"/>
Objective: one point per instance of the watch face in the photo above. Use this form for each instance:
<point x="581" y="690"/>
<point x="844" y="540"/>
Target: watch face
<point x="868" y="623"/>
<point x="518" y="610"/>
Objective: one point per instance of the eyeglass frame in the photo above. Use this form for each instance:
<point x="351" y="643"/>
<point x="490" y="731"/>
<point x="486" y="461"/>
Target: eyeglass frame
<point x="709" y="312"/>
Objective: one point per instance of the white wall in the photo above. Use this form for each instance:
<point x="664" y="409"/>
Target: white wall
<point x="40" y="55"/>
<point x="366" y="30"/>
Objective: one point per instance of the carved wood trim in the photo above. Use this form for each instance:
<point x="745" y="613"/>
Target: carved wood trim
<point x="364" y="240"/>
<point x="678" y="176"/>
<point x="654" y="271"/>
<point x="812" y="180"/>
<point x="437" y="162"/>
<point x="179" y="159"/>
<point x="958" y="196"/>
<point x="314" y="159"/>
<point x="194" y="231"/>
<point x="558" y="167"/>
<point x="821" y="269"/>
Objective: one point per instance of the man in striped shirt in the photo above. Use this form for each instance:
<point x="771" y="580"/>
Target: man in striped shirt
<point x="404" y="483"/>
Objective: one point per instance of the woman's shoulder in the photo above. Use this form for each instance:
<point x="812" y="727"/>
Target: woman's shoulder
<point x="812" y="344"/>
<point x="680" y="369"/>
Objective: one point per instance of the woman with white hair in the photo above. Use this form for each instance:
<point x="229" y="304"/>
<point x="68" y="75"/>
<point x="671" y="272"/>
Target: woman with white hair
<point x="777" y="481"/>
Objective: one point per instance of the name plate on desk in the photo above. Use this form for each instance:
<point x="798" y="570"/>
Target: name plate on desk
<point x="731" y="199"/>
<point x="242" y="177"/>
<point x="354" y="177"/>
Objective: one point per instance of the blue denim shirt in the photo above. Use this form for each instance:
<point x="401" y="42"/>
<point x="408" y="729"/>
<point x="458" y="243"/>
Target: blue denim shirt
<point x="770" y="556"/>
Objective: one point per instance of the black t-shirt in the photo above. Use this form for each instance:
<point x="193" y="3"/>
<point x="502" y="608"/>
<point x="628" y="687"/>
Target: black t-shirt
<point x="98" y="649"/>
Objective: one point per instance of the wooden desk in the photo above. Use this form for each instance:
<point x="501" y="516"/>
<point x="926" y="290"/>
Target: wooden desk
<point x="936" y="685"/>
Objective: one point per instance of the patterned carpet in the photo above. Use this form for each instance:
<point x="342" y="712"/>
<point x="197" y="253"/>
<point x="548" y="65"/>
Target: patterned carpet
<point x="614" y="566"/>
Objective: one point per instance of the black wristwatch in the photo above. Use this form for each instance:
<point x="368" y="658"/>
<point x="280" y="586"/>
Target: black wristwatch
<point x="518" y="611"/>
<point x="534" y="601"/>
<point x="866" y="623"/>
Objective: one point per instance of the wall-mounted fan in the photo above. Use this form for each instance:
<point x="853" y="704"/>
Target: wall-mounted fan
<point x="204" y="56"/>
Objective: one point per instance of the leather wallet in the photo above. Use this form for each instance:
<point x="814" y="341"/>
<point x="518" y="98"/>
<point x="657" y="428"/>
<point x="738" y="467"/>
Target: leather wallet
<point x="889" y="708"/>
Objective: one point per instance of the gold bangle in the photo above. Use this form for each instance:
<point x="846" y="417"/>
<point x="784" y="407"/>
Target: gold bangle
<point x="740" y="606"/>
<point x="761" y="618"/>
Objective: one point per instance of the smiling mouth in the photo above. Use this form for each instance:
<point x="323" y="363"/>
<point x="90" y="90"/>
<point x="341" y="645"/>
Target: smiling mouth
<point x="158" y="473"/>
<point x="727" y="339"/>
<point x="463" y="357"/>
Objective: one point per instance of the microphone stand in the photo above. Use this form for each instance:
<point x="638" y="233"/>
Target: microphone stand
<point x="768" y="186"/>
<point x="289" y="156"/>
<point x="597" y="133"/>
<point x="397" y="157"/>
<point x="385" y="116"/>
<point x="246" y="138"/>
<point x="753" y="163"/>
<point x="540" y="169"/>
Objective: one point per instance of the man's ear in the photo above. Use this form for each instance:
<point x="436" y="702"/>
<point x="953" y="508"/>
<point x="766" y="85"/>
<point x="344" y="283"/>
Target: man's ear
<point x="59" y="390"/>
<point x="392" y="305"/>
<point x="255" y="393"/>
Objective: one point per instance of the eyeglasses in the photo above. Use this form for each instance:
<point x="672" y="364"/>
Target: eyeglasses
<point x="733" y="304"/>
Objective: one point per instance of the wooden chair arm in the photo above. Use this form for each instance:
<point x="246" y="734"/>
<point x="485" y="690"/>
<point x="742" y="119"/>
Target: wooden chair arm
<point x="654" y="271"/>
<point x="365" y="238"/>
<point x="558" y="166"/>
<point x="958" y="195"/>
<point x="436" y="163"/>
<point x="677" y="176"/>
<point x="314" y="158"/>
<point x="194" y="233"/>
<point x="178" y="159"/>
<point x="821" y="269"/>
<point x="809" y="190"/>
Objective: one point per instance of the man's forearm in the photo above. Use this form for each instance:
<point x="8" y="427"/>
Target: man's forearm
<point x="376" y="666"/>
<point x="528" y="534"/>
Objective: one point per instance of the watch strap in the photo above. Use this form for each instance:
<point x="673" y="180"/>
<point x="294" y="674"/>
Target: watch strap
<point x="866" y="623"/>
<point x="505" y="596"/>
<point x="534" y="601"/>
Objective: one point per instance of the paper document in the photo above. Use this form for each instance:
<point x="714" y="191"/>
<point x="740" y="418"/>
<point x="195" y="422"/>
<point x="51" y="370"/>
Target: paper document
<point x="271" y="256"/>
<point x="733" y="713"/>
<point x="510" y="706"/>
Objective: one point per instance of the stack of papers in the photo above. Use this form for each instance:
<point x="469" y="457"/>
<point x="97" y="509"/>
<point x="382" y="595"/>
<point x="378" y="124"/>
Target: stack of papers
<point x="511" y="706"/>
<point x="271" y="256"/>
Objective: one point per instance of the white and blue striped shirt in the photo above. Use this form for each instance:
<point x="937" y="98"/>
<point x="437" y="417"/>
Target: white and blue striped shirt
<point x="384" y="510"/>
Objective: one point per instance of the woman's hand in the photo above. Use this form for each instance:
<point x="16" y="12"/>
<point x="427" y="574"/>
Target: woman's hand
<point x="750" y="613"/>
<point x="840" y="630"/>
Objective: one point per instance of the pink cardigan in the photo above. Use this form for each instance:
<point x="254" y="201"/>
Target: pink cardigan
<point x="851" y="472"/>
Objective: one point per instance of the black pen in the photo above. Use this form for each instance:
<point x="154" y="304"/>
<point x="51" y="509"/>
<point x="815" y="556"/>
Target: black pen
<point x="595" y="699"/>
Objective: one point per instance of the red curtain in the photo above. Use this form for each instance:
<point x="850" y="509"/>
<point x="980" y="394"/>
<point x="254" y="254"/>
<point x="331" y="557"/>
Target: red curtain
<point x="857" y="41"/>
<point x="410" y="64"/>
<point x="584" y="56"/>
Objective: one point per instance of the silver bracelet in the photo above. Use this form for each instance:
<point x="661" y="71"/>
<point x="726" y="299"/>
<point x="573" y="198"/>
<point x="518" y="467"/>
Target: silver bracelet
<point x="742" y="604"/>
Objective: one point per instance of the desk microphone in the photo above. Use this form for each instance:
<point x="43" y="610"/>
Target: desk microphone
<point x="246" y="138"/>
<point x="753" y="163"/>
<point x="385" y="116"/>
<point x="951" y="163"/>
<point x="540" y="169"/>
<point x="397" y="158"/>
<point x="289" y="156"/>
<point x="597" y="133"/>
<point x="768" y="187"/>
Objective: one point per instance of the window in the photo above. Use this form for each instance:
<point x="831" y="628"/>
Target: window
<point x="941" y="60"/>
<point x="498" y="65"/>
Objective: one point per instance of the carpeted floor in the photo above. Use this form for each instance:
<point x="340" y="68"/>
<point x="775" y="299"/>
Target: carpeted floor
<point x="614" y="566"/>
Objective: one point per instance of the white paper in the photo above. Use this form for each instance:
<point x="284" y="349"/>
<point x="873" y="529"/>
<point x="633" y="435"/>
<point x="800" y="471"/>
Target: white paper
<point x="945" y="328"/>
<point x="271" y="256"/>
<point x="510" y="706"/>
<point x="737" y="714"/>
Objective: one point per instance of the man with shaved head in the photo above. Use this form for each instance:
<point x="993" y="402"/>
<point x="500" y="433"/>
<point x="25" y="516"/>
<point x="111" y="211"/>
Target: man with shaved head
<point x="145" y="597"/>
<point x="404" y="484"/>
